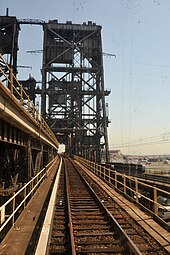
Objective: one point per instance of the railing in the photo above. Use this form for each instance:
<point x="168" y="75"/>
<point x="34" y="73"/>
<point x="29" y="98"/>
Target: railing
<point x="144" y="194"/>
<point x="8" y="79"/>
<point x="12" y="208"/>
<point x="155" y="170"/>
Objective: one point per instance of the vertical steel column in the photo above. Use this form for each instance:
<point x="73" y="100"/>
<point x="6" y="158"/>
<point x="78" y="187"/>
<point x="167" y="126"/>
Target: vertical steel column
<point x="44" y="82"/>
<point x="29" y="159"/>
<point x="72" y="78"/>
<point x="9" y="31"/>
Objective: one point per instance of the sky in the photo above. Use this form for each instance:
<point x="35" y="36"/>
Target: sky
<point x="138" y="33"/>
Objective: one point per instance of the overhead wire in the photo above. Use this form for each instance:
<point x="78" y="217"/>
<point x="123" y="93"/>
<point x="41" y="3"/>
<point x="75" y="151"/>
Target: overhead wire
<point x="158" y="139"/>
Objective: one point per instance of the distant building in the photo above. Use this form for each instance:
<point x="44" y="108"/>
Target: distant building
<point x="116" y="155"/>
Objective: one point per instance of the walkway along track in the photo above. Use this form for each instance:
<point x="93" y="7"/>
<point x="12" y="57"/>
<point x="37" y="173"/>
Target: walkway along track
<point x="146" y="243"/>
<point x="89" y="222"/>
<point x="89" y="228"/>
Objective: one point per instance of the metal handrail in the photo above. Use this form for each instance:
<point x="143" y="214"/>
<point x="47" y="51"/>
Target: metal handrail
<point x="16" y="90"/>
<point x="105" y="174"/>
<point x="31" y="186"/>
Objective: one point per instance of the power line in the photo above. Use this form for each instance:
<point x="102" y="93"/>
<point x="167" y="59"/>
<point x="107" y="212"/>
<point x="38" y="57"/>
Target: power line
<point x="159" y="139"/>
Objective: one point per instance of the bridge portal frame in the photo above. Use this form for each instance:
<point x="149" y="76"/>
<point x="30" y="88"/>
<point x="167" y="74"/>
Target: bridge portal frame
<point x="73" y="94"/>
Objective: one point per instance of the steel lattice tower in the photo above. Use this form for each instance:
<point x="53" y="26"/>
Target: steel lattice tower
<point x="73" y="94"/>
<point x="9" y="31"/>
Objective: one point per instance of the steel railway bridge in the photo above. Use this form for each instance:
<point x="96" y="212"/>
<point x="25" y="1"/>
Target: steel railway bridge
<point x="72" y="112"/>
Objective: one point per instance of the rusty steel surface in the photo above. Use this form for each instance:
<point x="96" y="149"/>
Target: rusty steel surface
<point x="17" y="107"/>
<point x="87" y="228"/>
<point x="59" y="242"/>
<point x="81" y="222"/>
<point x="73" y="79"/>
<point x="158" y="180"/>
<point x="134" y="225"/>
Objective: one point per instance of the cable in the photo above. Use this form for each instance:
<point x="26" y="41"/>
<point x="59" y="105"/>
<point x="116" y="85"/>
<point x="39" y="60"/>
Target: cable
<point x="159" y="139"/>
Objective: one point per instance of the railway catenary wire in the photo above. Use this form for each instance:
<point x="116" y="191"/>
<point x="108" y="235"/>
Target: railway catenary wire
<point x="87" y="230"/>
<point x="80" y="224"/>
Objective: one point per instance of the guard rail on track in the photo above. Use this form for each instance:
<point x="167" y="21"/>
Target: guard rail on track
<point x="130" y="186"/>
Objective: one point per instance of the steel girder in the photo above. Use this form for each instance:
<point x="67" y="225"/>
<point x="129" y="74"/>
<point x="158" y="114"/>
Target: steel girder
<point x="73" y="95"/>
<point x="9" y="31"/>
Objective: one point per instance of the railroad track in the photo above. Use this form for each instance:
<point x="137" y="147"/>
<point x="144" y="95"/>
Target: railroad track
<point x="88" y="221"/>
<point x="60" y="241"/>
<point x="162" y="179"/>
<point x="145" y="242"/>
<point x="158" y="178"/>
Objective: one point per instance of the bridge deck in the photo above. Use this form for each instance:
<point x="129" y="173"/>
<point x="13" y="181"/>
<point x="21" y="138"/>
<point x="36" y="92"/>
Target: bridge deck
<point x="22" y="235"/>
<point x="146" y="221"/>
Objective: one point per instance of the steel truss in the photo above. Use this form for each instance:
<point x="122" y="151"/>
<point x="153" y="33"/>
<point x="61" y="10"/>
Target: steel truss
<point x="73" y="94"/>
<point x="9" y="31"/>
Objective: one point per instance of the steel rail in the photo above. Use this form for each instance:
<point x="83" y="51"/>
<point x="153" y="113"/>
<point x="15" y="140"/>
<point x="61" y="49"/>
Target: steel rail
<point x="111" y="177"/>
<point x="165" y="180"/>
<point x="74" y="228"/>
<point x="130" y="220"/>
<point x="45" y="232"/>
<point x="125" y="240"/>
<point x="73" y="246"/>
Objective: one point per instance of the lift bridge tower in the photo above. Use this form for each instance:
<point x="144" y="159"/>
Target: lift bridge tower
<point x="73" y="94"/>
<point x="9" y="32"/>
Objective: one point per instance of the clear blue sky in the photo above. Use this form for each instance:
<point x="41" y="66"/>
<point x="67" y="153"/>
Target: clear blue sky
<point x="138" y="32"/>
